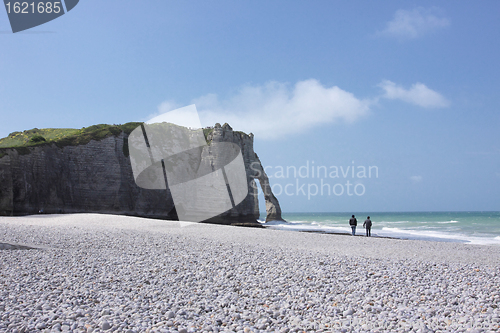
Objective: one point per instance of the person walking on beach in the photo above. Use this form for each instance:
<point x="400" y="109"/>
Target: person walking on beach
<point x="353" y="223"/>
<point x="368" y="225"/>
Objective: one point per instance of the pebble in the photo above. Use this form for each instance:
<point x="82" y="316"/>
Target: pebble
<point x="40" y="326"/>
<point x="83" y="279"/>
<point x="105" y="326"/>
<point x="348" y="312"/>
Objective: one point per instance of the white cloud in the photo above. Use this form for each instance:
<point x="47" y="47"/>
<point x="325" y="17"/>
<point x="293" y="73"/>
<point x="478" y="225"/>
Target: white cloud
<point x="165" y="106"/>
<point x="186" y="116"/>
<point x="416" y="179"/>
<point x="418" y="94"/>
<point x="415" y="23"/>
<point x="276" y="109"/>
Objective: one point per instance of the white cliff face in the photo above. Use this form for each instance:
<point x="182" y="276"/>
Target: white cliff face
<point x="254" y="170"/>
<point x="94" y="177"/>
<point x="97" y="177"/>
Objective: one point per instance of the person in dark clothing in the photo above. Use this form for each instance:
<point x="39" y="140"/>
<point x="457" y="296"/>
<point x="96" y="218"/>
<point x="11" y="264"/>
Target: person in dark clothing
<point x="368" y="225"/>
<point x="353" y="223"/>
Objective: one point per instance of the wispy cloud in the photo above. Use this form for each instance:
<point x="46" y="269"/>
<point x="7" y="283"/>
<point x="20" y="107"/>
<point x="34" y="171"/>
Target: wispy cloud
<point x="277" y="109"/>
<point x="165" y="106"/>
<point x="418" y="94"/>
<point x="409" y="24"/>
<point x="416" y="179"/>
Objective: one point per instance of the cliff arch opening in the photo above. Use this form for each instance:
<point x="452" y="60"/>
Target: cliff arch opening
<point x="259" y="200"/>
<point x="273" y="210"/>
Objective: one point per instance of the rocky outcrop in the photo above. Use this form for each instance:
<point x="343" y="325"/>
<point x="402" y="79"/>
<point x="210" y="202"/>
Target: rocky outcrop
<point x="97" y="177"/>
<point x="254" y="170"/>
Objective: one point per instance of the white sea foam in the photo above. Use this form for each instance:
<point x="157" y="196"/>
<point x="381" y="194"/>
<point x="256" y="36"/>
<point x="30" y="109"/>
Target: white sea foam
<point x="309" y="227"/>
<point x="441" y="236"/>
<point x="393" y="222"/>
<point x="443" y="231"/>
<point x="387" y="232"/>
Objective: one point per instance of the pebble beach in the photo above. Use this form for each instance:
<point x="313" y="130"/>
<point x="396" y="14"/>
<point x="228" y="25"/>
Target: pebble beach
<point x="108" y="273"/>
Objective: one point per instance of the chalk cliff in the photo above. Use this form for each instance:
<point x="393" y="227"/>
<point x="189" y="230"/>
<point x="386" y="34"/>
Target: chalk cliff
<point x="72" y="175"/>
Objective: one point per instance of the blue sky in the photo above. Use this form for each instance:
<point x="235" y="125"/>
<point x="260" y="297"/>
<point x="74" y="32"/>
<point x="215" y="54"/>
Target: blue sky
<point x="408" y="87"/>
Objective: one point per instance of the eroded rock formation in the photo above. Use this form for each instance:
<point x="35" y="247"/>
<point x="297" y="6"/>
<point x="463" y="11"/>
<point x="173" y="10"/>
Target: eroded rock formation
<point x="97" y="177"/>
<point x="254" y="170"/>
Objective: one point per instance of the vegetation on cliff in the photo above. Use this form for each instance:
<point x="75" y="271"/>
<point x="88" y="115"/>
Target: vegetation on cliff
<point x="62" y="137"/>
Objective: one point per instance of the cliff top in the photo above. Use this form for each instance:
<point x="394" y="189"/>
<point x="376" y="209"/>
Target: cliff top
<point x="62" y="137"/>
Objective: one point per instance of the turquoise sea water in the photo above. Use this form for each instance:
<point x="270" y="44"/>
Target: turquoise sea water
<point x="467" y="227"/>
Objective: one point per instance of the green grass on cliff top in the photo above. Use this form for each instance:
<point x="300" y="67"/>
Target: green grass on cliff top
<point x="70" y="136"/>
<point x="64" y="136"/>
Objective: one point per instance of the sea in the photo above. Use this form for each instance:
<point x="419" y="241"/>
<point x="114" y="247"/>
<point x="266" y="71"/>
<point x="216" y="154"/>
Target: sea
<point x="464" y="227"/>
